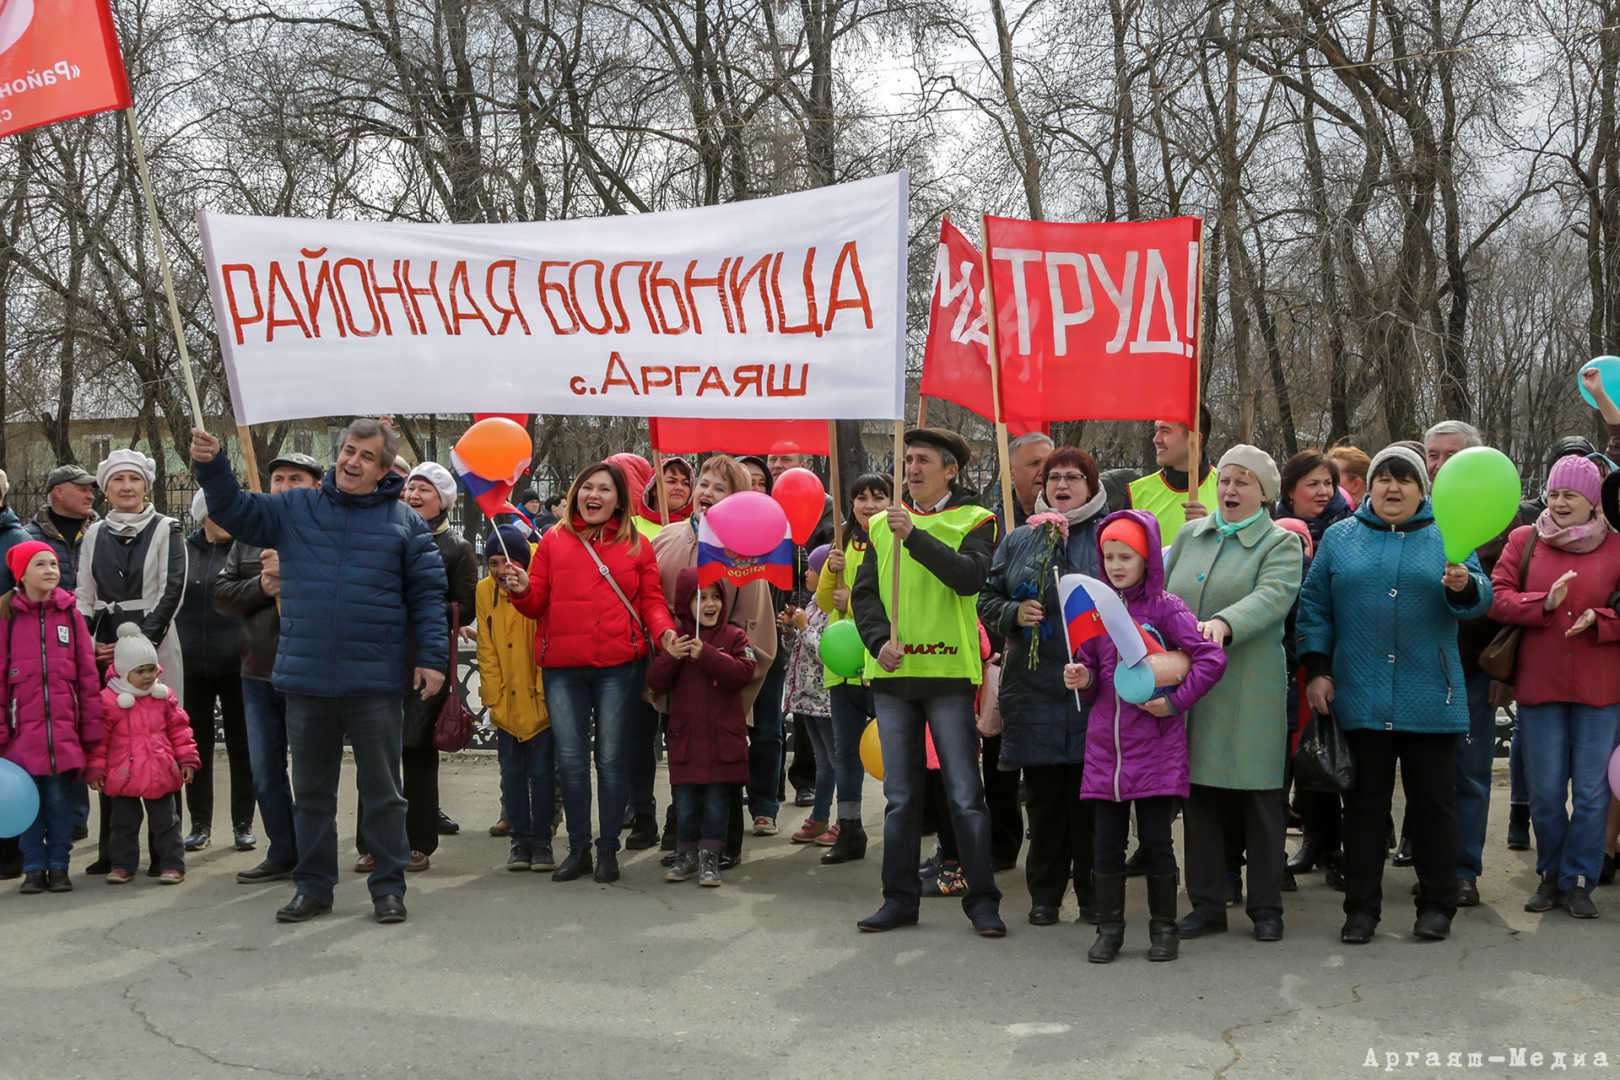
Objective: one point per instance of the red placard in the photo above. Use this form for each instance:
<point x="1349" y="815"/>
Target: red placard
<point x="956" y="359"/>
<point x="1096" y="321"/>
<point x="58" y="59"/>
<point x="672" y="436"/>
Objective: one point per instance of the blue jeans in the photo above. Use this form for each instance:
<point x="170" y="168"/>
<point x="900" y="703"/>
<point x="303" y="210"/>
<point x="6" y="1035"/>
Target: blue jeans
<point x="264" y="709"/>
<point x="765" y="747"/>
<point x="701" y="811"/>
<point x="315" y="730"/>
<point x="851" y="712"/>
<point x="1566" y="756"/>
<point x="612" y="695"/>
<point x="45" y="844"/>
<point x="820" y="729"/>
<point x="901" y="723"/>
<point x="528" y="776"/>
<point x="1475" y="754"/>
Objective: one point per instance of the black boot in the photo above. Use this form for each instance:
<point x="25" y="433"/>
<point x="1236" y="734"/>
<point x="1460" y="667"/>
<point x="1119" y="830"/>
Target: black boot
<point x="850" y="845"/>
<point x="1305" y="860"/>
<point x="666" y="842"/>
<point x="1163" y="943"/>
<point x="1085" y="894"/>
<point x="1518" y="838"/>
<point x="1136" y="865"/>
<point x="576" y="865"/>
<point x="643" y="833"/>
<point x="1110" y="900"/>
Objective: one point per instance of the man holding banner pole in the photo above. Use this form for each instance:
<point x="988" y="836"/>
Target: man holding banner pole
<point x="923" y="676"/>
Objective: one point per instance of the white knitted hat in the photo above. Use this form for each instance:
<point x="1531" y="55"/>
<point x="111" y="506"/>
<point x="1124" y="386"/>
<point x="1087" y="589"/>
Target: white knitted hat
<point x="126" y="461"/>
<point x="133" y="650"/>
<point x="440" y="478"/>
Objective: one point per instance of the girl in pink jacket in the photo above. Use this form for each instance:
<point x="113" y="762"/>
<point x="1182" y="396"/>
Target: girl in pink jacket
<point x="149" y="752"/>
<point x="50" y="706"/>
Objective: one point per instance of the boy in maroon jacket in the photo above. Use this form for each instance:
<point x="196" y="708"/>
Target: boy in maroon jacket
<point x="708" y="726"/>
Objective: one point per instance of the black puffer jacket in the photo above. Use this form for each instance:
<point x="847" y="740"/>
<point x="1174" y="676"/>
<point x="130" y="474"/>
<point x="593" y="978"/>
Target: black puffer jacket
<point x="208" y="637"/>
<point x="461" y="570"/>
<point x="237" y="593"/>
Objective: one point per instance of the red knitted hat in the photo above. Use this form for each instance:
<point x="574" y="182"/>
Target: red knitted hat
<point x="18" y="558"/>
<point x="1128" y="532"/>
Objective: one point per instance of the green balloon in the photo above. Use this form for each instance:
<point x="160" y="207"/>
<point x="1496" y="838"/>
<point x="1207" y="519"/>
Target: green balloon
<point x="1475" y="497"/>
<point x="842" y="650"/>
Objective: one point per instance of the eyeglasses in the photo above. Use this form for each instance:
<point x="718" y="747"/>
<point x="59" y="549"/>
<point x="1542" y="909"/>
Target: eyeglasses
<point x="1066" y="477"/>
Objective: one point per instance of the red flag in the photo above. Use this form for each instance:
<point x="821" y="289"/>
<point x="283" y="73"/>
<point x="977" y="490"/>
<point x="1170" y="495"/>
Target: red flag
<point x="1096" y="322"/>
<point x="671" y="436"/>
<point x="58" y="59"/>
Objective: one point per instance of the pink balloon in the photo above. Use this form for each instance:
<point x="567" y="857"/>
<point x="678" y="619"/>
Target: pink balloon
<point x="1614" y="772"/>
<point x="748" y="522"/>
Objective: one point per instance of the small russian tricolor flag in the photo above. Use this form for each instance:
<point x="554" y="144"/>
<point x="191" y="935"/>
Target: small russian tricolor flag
<point x="1080" y="612"/>
<point x="715" y="562"/>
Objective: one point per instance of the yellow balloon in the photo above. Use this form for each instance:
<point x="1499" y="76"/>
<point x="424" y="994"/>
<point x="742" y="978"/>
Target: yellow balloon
<point x="872" y="751"/>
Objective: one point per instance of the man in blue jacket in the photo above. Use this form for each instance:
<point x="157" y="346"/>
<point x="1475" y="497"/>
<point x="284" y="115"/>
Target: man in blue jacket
<point x="359" y="572"/>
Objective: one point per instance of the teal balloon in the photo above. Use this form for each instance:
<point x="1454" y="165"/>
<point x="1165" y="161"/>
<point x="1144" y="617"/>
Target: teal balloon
<point x="19" y="799"/>
<point x="1610" y="368"/>
<point x="842" y="649"/>
<point x="1135" y="683"/>
<point x="1475" y="497"/>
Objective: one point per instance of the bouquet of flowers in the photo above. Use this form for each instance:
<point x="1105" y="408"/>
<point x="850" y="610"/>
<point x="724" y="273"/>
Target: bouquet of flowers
<point x="1050" y="531"/>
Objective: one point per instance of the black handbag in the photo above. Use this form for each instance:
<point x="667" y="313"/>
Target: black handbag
<point x="1323" y="761"/>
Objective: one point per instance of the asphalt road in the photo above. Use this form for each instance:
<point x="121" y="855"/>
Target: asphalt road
<point x="501" y="974"/>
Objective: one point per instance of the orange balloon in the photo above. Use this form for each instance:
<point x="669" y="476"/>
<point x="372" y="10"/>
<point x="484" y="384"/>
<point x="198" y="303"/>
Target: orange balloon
<point x="496" y="449"/>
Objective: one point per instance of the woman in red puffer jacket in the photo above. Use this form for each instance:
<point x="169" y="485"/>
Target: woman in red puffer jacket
<point x="594" y="592"/>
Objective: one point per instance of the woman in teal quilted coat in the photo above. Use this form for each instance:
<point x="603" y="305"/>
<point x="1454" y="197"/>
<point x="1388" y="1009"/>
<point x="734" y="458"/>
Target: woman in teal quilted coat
<point x="1377" y="633"/>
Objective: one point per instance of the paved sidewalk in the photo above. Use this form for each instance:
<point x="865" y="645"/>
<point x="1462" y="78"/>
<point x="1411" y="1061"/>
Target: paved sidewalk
<point x="500" y="974"/>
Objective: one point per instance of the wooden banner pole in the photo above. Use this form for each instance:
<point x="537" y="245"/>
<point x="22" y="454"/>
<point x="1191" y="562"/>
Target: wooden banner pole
<point x="658" y="477"/>
<point x="250" y="457"/>
<point x="1194" y="435"/>
<point x="1009" y="519"/>
<point x="899" y="491"/>
<point x="837" y="488"/>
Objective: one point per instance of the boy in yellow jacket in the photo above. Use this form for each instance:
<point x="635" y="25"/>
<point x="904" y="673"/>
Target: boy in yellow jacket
<point x="509" y="683"/>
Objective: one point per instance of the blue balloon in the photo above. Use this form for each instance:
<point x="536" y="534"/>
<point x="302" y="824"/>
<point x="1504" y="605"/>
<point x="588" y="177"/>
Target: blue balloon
<point x="1610" y="367"/>
<point x="1135" y="683"/>
<point x="19" y="799"/>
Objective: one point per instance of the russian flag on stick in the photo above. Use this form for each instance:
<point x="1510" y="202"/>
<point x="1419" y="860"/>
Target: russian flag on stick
<point x="1080" y="614"/>
<point x="715" y="562"/>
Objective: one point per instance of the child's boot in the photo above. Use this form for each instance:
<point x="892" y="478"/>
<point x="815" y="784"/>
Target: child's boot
<point x="56" y="880"/>
<point x="33" y="882"/>
<point x="709" y="868"/>
<point x="684" y="866"/>
<point x="1163" y="942"/>
<point x="1110" y="901"/>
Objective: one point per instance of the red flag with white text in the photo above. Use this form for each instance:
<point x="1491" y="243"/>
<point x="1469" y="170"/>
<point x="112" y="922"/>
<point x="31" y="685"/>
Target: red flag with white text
<point x="1096" y="321"/>
<point x="58" y="59"/>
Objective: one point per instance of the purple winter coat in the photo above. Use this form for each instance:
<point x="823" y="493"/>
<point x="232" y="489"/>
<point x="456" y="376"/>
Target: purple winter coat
<point x="51" y="690"/>
<point x="1130" y="753"/>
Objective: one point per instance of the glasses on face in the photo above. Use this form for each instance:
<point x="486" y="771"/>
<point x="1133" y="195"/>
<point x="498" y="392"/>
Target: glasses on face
<point x="1065" y="478"/>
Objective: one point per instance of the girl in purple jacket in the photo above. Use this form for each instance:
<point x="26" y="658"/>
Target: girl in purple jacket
<point x="1138" y="753"/>
<point x="50" y="694"/>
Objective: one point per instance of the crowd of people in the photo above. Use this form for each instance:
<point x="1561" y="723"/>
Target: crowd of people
<point x="329" y="609"/>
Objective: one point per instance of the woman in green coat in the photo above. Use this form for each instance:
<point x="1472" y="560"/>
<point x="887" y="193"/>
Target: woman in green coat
<point x="1239" y="573"/>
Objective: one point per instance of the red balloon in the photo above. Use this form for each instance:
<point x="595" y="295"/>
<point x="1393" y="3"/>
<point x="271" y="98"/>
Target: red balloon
<point x="803" y="499"/>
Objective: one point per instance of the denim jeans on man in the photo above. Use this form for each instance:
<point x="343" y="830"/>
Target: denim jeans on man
<point x="851" y="713"/>
<point x="1566" y="757"/>
<point x="315" y="730"/>
<point x="700" y="815"/>
<point x="264" y="709"/>
<point x="45" y="844"/>
<point x="613" y="696"/>
<point x="901" y="724"/>
<point x="765" y="746"/>
<point x="528" y="776"/>
<point x="1476" y="752"/>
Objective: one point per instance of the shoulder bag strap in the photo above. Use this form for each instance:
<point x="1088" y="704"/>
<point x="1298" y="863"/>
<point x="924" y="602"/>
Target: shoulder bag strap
<point x="1524" y="560"/>
<point x="607" y="576"/>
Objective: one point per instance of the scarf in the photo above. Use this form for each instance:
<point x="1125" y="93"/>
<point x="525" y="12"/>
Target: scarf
<point x="438" y="525"/>
<point x="1080" y="514"/>
<point x="1579" y="539"/>
<point x="120" y="523"/>
<point x="1228" y="529"/>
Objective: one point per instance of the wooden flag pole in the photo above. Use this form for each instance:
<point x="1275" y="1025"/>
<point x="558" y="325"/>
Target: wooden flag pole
<point x="163" y="268"/>
<point x="1194" y="435"/>
<point x="250" y="457"/>
<point x="900" y="501"/>
<point x="837" y="489"/>
<point x="922" y="410"/>
<point x="658" y="477"/>
<point x="995" y="380"/>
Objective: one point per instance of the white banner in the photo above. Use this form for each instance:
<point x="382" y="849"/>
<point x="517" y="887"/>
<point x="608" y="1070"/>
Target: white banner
<point x="784" y="308"/>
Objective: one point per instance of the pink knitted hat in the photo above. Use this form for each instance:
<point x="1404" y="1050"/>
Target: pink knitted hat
<point x="1574" y="473"/>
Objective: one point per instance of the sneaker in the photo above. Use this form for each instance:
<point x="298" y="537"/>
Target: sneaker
<point x="518" y="859"/>
<point x="1579" y="902"/>
<point x="1547" y="895"/>
<point x="829" y="838"/>
<point x="948" y="882"/>
<point x="199" y="838"/>
<point x="542" y="861"/>
<point x="365" y="864"/>
<point x="419" y="862"/>
<point x="808" y="832"/>
<point x="709" y="869"/>
<point x="119" y="876"/>
<point x="447" y="826"/>
<point x="171" y="877"/>
<point x="243" y="836"/>
<point x="684" y="868"/>
<point x="764" y="826"/>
